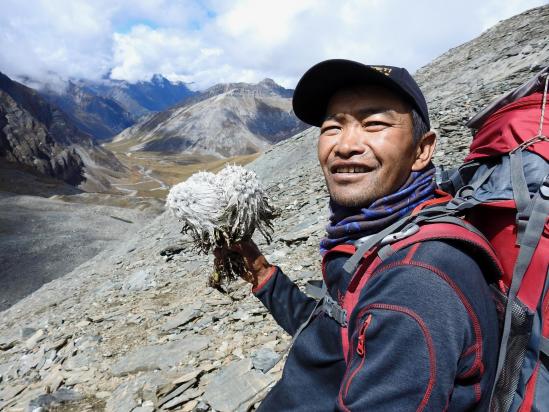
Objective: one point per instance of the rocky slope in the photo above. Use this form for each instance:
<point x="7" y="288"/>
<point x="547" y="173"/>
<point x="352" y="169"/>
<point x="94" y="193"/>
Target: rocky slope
<point x="36" y="134"/>
<point x="135" y="329"/>
<point x="98" y="116"/>
<point x="225" y="120"/>
<point x="465" y="79"/>
<point x="42" y="239"/>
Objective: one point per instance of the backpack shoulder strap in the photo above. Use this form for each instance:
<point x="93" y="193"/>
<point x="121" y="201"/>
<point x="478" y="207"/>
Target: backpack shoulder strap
<point x="538" y="213"/>
<point x="443" y="227"/>
<point x="457" y="230"/>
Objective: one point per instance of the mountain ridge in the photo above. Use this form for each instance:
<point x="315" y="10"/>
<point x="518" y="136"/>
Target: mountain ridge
<point x="98" y="116"/>
<point x="106" y="107"/>
<point x="37" y="134"/>
<point x="142" y="97"/>
<point x="224" y="120"/>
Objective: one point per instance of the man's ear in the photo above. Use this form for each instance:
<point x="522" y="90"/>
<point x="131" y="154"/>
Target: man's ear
<point x="424" y="150"/>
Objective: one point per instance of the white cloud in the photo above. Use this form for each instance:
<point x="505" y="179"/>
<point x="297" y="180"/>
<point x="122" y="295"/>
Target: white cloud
<point x="212" y="41"/>
<point x="267" y="24"/>
<point x="145" y="51"/>
<point x="43" y="40"/>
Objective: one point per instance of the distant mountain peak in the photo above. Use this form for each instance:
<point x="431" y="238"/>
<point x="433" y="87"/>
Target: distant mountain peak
<point x="160" y="80"/>
<point x="268" y="82"/>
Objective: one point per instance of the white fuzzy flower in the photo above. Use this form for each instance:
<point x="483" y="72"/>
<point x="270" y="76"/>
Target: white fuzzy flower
<point x="196" y="203"/>
<point x="219" y="210"/>
<point x="245" y="203"/>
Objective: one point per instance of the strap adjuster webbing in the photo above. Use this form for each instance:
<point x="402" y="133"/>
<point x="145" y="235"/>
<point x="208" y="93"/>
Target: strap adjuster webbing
<point x="544" y="346"/>
<point x="327" y="304"/>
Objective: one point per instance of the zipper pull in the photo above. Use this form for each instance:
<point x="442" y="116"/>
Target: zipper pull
<point x="362" y="336"/>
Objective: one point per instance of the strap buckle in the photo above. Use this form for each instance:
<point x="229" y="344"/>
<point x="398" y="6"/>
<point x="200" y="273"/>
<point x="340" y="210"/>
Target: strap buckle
<point x="521" y="220"/>
<point x="544" y="188"/>
<point x="403" y="234"/>
<point x="459" y="204"/>
<point x="333" y="310"/>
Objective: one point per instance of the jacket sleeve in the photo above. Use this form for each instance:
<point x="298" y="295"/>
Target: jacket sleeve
<point x="407" y="335"/>
<point x="289" y="306"/>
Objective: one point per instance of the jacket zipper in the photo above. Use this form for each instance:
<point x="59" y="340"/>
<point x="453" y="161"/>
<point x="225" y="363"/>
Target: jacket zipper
<point x="360" y="349"/>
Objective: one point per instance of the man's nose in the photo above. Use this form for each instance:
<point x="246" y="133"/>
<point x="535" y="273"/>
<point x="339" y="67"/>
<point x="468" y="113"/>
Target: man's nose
<point x="350" y="142"/>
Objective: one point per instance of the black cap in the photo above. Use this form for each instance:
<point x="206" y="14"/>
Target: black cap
<point x="320" y="82"/>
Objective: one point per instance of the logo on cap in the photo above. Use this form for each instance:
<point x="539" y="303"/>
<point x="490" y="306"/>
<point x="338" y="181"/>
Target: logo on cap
<point x="384" y="70"/>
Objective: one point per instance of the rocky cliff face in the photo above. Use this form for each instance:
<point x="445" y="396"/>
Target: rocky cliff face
<point x="38" y="135"/>
<point x="225" y="120"/>
<point x="135" y="328"/>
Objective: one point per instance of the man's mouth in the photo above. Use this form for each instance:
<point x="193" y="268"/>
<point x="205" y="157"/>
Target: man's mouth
<point x="353" y="169"/>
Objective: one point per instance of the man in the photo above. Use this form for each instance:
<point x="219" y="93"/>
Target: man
<point x="423" y="334"/>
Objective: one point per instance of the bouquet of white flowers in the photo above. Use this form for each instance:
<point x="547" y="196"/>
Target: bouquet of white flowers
<point x="219" y="210"/>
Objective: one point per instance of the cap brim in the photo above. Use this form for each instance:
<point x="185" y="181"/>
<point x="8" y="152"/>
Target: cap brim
<point x="320" y="82"/>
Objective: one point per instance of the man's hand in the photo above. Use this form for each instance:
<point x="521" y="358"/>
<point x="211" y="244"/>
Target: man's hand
<point x="257" y="267"/>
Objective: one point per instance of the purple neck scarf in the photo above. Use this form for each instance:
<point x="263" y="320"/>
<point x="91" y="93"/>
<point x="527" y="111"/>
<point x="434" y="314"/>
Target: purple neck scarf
<point x="348" y="224"/>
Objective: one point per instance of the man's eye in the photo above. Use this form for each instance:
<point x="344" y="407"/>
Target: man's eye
<point x="330" y="129"/>
<point x="374" y="126"/>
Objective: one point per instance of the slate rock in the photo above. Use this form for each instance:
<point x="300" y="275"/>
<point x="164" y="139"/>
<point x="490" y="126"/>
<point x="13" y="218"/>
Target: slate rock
<point x="82" y="360"/>
<point x="27" y="332"/>
<point x="8" y="370"/>
<point x="176" y="393"/>
<point x="191" y="312"/>
<point x="264" y="359"/>
<point x="36" y="337"/>
<point x="42" y="402"/>
<point x="10" y="392"/>
<point x="235" y="386"/>
<point x="67" y="395"/>
<point x="30" y="361"/>
<point x="140" y="280"/>
<point x="296" y="236"/>
<point x="162" y="356"/>
<point x="127" y="395"/>
<point x="8" y="342"/>
<point x="201" y="407"/>
<point x="144" y="408"/>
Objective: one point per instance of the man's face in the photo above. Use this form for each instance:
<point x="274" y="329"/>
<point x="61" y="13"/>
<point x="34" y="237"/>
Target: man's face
<point x="365" y="147"/>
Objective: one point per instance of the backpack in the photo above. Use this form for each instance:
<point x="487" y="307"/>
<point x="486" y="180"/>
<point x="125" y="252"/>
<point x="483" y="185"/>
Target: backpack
<point x="497" y="205"/>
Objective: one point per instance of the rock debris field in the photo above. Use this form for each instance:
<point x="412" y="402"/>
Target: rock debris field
<point x="137" y="329"/>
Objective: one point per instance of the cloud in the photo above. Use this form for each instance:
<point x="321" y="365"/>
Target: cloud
<point x="211" y="41"/>
<point x="42" y="40"/>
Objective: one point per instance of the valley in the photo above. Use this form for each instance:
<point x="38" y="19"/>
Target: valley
<point x="153" y="173"/>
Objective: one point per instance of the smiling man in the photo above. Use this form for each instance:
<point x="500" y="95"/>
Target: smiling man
<point x="423" y="332"/>
<point x="365" y="142"/>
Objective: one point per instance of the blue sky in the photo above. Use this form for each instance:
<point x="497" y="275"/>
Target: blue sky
<point x="211" y="41"/>
<point x="126" y="25"/>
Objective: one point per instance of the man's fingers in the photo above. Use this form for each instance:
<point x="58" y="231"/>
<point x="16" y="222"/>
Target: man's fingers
<point x="247" y="249"/>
